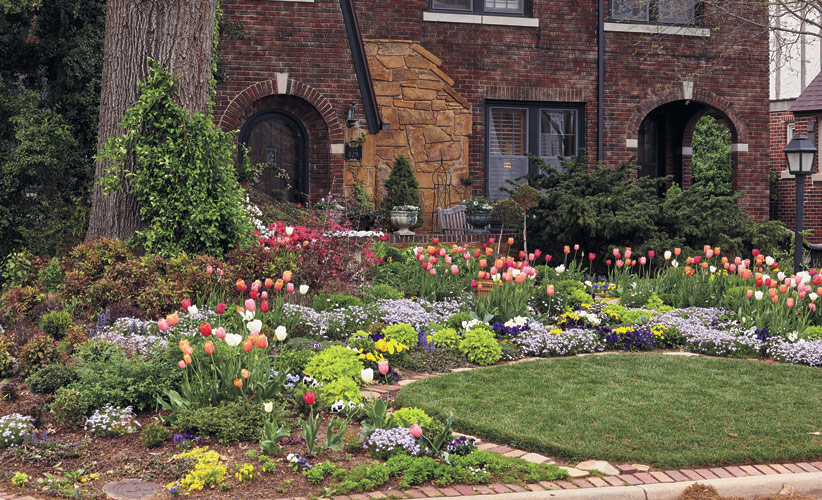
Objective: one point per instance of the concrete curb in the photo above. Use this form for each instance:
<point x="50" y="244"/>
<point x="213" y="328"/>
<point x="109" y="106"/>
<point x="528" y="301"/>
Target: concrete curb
<point x="809" y="484"/>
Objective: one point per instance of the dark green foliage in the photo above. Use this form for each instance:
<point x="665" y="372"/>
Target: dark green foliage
<point x="227" y="423"/>
<point x="401" y="187"/>
<point x="56" y="323"/>
<point x="49" y="99"/>
<point x="154" y="435"/>
<point x="69" y="407"/>
<point x="121" y="381"/>
<point x="50" y="378"/>
<point x="712" y="162"/>
<point x="53" y="276"/>
<point x="184" y="179"/>
<point x="380" y="292"/>
<point x="334" y="301"/>
<point x="97" y="351"/>
<point x="293" y="361"/>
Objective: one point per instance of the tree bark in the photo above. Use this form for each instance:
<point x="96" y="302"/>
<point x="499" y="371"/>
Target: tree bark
<point x="179" y="34"/>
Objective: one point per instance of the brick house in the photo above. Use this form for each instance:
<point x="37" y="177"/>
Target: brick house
<point x="465" y="87"/>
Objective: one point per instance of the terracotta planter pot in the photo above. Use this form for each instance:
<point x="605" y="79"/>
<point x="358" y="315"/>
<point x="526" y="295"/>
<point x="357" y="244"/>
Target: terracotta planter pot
<point x="484" y="287"/>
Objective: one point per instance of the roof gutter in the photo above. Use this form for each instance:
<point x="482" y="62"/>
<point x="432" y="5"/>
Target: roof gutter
<point x="355" y="43"/>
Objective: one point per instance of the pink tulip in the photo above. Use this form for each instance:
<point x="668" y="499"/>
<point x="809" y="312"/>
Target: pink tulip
<point x="732" y="267"/>
<point x="521" y="254"/>
<point x="537" y="253"/>
<point x="619" y="263"/>
<point x="415" y="431"/>
<point x="812" y="272"/>
<point x="182" y="364"/>
<point x="466" y="256"/>
<point x="493" y="270"/>
<point x="420" y="257"/>
<point x="221" y="308"/>
<point x="749" y="293"/>
<point x="162" y="325"/>
<point x="627" y="253"/>
<point x="476" y="254"/>
<point x="442" y="252"/>
<point x="448" y="260"/>
<point x="697" y="259"/>
<point x="455" y="269"/>
<point x="473" y="283"/>
<point x="382" y="366"/>
<point x="264" y="295"/>
<point x="576" y="248"/>
<point x="592" y="256"/>
<point x="432" y="272"/>
<point x="289" y="288"/>
<point x="812" y="307"/>
<point x="250" y="305"/>
<point x="642" y="260"/>
<point x="608" y="262"/>
<point x="254" y="294"/>
<point x="220" y="332"/>
<point x="709" y="253"/>
<point x="209" y="269"/>
<point x="433" y="260"/>
<point x="186" y="304"/>
<point x="615" y="251"/>
<point x="508" y="277"/>
<point x="531" y="257"/>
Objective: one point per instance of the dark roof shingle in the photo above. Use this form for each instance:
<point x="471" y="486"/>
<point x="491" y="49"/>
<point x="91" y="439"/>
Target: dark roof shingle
<point x="811" y="98"/>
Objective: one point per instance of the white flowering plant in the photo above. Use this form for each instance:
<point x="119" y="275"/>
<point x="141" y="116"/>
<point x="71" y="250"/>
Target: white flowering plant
<point x="14" y="429"/>
<point x="111" y="421"/>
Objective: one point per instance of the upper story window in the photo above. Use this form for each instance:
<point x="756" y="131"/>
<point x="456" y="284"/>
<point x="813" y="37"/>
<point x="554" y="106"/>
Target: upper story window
<point x="494" y="7"/>
<point x="677" y="12"/>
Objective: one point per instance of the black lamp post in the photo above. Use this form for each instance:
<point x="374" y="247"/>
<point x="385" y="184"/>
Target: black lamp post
<point x="801" y="156"/>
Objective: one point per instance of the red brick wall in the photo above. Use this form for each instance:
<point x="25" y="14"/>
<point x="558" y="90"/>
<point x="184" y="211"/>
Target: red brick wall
<point x="786" y="206"/>
<point x="555" y="62"/>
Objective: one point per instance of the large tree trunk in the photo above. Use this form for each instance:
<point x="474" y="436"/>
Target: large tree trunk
<point x="179" y="34"/>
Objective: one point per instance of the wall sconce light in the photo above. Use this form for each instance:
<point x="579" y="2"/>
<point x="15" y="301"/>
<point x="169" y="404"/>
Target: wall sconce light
<point x="352" y="114"/>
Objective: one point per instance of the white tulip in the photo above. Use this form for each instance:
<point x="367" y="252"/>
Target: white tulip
<point x="813" y="296"/>
<point x="367" y="375"/>
<point x="758" y="294"/>
<point x="303" y="289"/>
<point x="254" y="326"/>
<point x="268" y="407"/>
<point x="560" y="268"/>
<point x="712" y="269"/>
<point x="667" y="255"/>
<point x="233" y="340"/>
<point x="495" y="277"/>
<point x="780" y="276"/>
<point x="192" y="310"/>
<point x="280" y="333"/>
<point x="769" y="260"/>
<point x="289" y="230"/>
<point x="247" y="316"/>
<point x="675" y="263"/>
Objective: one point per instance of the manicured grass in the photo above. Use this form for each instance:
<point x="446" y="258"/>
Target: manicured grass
<point x="663" y="410"/>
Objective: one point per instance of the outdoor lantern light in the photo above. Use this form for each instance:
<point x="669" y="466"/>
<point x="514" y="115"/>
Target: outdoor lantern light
<point x="801" y="156"/>
<point x="352" y="112"/>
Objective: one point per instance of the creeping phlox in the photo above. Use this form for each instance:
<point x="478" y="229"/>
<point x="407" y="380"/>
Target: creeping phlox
<point x="14" y="429"/>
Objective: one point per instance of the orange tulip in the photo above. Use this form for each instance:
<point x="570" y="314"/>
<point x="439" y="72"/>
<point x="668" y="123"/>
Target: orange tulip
<point x="549" y="290"/>
<point x="181" y="364"/>
<point x="245" y="374"/>
<point x="704" y="265"/>
<point x="789" y="302"/>
<point x="209" y="348"/>
<point x="187" y="359"/>
<point x="716" y="250"/>
<point x="262" y="341"/>
<point x="677" y="251"/>
<point x="783" y="289"/>
<point x="248" y="345"/>
<point x="498" y="263"/>
<point x="278" y="285"/>
<point x="489" y="251"/>
<point x="188" y="350"/>
<point x="510" y="241"/>
<point x="287" y="276"/>
<point x="269" y="283"/>
<point x="238" y="383"/>
<point x="483" y="263"/>
<point x="772" y="293"/>
<point x="566" y="249"/>
<point x="689" y="271"/>
<point x="172" y="319"/>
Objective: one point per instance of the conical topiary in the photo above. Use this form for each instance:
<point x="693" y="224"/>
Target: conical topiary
<point x="401" y="187"/>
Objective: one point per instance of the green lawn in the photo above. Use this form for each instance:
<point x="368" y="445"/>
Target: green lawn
<point x="663" y="410"/>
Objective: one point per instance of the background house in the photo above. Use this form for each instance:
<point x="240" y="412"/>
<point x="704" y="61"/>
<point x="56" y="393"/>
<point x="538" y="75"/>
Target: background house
<point x="470" y="86"/>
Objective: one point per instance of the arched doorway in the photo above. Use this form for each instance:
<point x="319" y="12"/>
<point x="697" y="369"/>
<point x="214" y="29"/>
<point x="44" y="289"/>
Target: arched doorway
<point x="665" y="139"/>
<point x="278" y="140"/>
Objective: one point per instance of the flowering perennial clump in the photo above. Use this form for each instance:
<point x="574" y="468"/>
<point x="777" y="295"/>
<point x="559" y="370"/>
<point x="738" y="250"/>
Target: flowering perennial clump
<point x="208" y="470"/>
<point x="111" y="421"/>
<point x="14" y="429"/>
<point x="383" y="443"/>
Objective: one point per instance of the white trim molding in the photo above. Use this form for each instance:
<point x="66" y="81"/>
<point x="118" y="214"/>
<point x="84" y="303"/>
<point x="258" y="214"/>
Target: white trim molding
<point x="282" y="83"/>
<point x="657" y="29"/>
<point x="632" y="143"/>
<point x="337" y="149"/>
<point x="686" y="151"/>
<point x="445" y="17"/>
<point x="739" y="148"/>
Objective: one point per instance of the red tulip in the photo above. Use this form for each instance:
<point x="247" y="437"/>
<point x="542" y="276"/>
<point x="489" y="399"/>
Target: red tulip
<point x="253" y="294"/>
<point x="436" y="241"/>
<point x="813" y="272"/>
<point x="205" y="329"/>
<point x="521" y="254"/>
<point x="697" y="259"/>
<point x="537" y="253"/>
<point x="221" y="308"/>
<point x="473" y="283"/>
<point x="651" y="254"/>
<point x="817" y="280"/>
<point x="755" y="252"/>
<point x="476" y="254"/>
<point x="209" y="348"/>
<point x="383" y="238"/>
<point x="309" y="398"/>
<point x="547" y="258"/>
<point x="186" y="304"/>
<point x="592" y="256"/>
<point x="264" y="306"/>
<point x="415" y="430"/>
<point x="608" y="262"/>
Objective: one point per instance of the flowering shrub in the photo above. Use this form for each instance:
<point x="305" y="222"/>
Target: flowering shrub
<point x="111" y="421"/>
<point x="384" y="443"/>
<point x="14" y="429"/>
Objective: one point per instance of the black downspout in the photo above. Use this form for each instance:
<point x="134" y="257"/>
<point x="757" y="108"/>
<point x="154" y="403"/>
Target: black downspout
<point x="600" y="80"/>
<point x="355" y="43"/>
